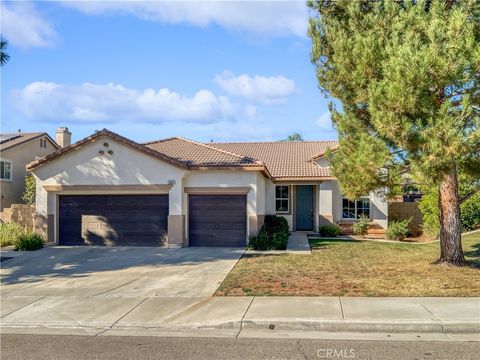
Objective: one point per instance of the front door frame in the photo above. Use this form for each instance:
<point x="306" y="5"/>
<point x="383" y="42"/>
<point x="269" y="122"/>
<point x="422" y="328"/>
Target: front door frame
<point x="295" y="212"/>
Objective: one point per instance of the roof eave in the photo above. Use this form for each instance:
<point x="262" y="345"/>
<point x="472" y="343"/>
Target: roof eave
<point x="30" y="139"/>
<point x="304" y="178"/>
<point x="262" y="169"/>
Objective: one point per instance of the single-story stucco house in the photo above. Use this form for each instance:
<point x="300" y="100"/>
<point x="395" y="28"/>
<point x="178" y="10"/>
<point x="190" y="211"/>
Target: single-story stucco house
<point x="109" y="190"/>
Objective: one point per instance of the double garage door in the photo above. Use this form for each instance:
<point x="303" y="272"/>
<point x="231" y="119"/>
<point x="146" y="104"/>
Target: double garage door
<point x="113" y="220"/>
<point x="129" y="220"/>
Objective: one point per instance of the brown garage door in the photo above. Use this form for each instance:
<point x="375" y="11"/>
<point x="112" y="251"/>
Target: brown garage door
<point x="113" y="220"/>
<point x="217" y="220"/>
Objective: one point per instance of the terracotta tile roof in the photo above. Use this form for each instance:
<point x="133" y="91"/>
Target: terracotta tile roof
<point x="280" y="160"/>
<point x="8" y="141"/>
<point x="196" y="154"/>
<point x="285" y="159"/>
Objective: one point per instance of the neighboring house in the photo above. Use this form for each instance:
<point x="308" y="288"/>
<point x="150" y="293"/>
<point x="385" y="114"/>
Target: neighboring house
<point x="16" y="151"/>
<point x="107" y="189"/>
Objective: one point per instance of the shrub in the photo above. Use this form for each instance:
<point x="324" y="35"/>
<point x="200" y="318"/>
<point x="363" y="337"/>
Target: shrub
<point x="259" y="241"/>
<point x="398" y="230"/>
<point x="279" y="241"/>
<point x="9" y="233"/>
<point x="28" y="240"/>
<point x="275" y="224"/>
<point x="361" y="227"/>
<point x="329" y="230"/>
<point x="273" y="235"/>
<point x="28" y="196"/>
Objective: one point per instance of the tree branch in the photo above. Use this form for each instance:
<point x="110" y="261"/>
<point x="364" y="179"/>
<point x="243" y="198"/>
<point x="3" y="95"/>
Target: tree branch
<point x="469" y="195"/>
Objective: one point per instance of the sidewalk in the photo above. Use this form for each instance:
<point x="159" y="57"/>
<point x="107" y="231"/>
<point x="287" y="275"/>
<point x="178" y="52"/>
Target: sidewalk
<point x="232" y="315"/>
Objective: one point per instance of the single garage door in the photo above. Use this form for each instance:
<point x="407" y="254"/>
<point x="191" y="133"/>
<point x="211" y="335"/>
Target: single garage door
<point x="217" y="220"/>
<point x="126" y="220"/>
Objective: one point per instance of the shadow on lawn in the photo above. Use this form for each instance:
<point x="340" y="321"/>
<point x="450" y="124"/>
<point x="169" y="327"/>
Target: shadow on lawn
<point x="473" y="256"/>
<point x="323" y="242"/>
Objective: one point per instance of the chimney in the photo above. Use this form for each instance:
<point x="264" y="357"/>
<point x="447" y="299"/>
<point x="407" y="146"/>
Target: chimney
<point x="63" y="136"/>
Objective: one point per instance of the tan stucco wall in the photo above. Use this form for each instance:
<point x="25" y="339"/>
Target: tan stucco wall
<point x="11" y="191"/>
<point x="328" y="204"/>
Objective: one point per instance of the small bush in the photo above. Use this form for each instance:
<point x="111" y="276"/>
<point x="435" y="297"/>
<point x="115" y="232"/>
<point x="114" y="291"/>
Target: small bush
<point x="329" y="230"/>
<point x="275" y="224"/>
<point x="259" y="241"/>
<point x="279" y="241"/>
<point x="361" y="227"/>
<point x="273" y="235"/>
<point x="28" y="240"/>
<point x="9" y="233"/>
<point x="398" y="230"/>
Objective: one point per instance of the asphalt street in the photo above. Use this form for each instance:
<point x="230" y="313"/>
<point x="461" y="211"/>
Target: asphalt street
<point x="65" y="347"/>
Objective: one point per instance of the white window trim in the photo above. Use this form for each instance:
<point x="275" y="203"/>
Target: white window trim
<point x="11" y="170"/>
<point x="355" y="218"/>
<point x="287" y="198"/>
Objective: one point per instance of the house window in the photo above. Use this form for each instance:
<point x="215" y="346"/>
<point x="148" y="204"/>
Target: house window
<point x="43" y="143"/>
<point x="354" y="209"/>
<point x="282" y="202"/>
<point x="5" y="170"/>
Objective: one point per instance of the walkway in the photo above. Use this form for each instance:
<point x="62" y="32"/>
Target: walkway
<point x="298" y="244"/>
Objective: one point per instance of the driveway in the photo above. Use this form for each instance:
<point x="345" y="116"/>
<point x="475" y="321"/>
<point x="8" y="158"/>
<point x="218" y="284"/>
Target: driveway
<point x="127" y="272"/>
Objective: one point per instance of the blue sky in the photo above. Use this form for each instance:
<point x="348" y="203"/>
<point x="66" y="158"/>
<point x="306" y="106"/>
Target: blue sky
<point x="222" y="71"/>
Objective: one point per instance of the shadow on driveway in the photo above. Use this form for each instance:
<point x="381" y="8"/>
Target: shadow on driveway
<point x="150" y="271"/>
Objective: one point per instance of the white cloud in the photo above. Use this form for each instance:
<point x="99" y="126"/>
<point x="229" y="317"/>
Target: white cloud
<point x="267" y="90"/>
<point x="273" y="18"/>
<point x="47" y="101"/>
<point x="24" y="26"/>
<point x="325" y="121"/>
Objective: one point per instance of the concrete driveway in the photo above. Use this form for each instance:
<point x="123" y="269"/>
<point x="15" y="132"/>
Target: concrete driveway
<point x="126" y="272"/>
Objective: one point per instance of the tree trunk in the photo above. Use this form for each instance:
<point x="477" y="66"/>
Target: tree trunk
<point x="451" y="251"/>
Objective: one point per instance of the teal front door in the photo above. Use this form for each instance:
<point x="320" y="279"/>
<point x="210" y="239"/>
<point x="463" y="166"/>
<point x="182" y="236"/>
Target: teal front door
<point x="304" y="207"/>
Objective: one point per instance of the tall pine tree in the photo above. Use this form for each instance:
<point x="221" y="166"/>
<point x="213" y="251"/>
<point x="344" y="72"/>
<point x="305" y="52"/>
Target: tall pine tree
<point x="407" y="76"/>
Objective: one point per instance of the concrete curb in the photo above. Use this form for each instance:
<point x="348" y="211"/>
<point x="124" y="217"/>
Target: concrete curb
<point x="363" y="326"/>
<point x="270" y="326"/>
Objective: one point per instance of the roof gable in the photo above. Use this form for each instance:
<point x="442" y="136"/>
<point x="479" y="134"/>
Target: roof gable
<point x="108" y="134"/>
<point x="9" y="141"/>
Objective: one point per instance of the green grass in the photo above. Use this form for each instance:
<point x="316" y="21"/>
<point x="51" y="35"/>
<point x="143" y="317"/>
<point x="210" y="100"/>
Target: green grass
<point x="357" y="268"/>
<point x="9" y="233"/>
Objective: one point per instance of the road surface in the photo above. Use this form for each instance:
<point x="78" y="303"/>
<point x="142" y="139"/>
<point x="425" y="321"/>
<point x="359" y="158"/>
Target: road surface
<point x="65" y="347"/>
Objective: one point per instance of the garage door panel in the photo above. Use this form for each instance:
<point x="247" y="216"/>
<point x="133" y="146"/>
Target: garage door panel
<point x="217" y="206"/>
<point x="113" y="220"/>
<point x="212" y="226"/>
<point x="217" y="220"/>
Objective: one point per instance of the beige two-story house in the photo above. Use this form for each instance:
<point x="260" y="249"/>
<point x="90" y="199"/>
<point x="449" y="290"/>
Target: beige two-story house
<point x="16" y="151"/>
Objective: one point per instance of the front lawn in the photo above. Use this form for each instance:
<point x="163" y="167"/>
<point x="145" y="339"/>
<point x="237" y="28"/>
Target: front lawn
<point x="357" y="268"/>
